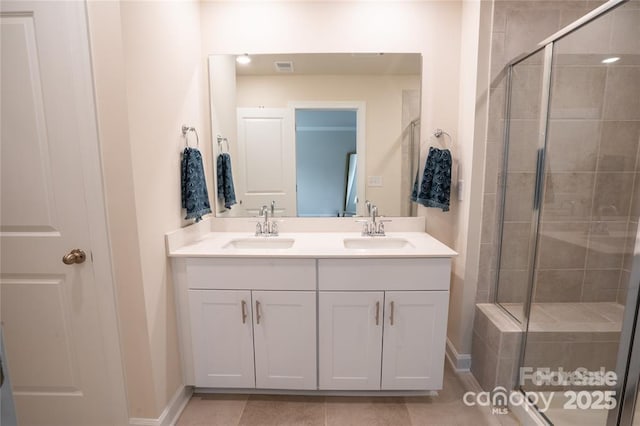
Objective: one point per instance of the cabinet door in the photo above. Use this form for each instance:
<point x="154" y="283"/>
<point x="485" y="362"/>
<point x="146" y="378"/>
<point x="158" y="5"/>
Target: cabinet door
<point x="285" y="339"/>
<point x="350" y="339"/>
<point x="414" y="339"/>
<point x="222" y="338"/>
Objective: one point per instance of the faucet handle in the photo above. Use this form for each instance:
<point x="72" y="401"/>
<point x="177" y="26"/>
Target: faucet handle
<point x="274" y="228"/>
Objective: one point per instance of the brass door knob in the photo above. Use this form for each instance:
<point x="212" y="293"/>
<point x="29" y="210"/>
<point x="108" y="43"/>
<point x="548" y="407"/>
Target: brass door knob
<point x="74" y="256"/>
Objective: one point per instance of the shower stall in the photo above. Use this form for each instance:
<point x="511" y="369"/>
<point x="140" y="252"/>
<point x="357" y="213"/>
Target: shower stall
<point x="568" y="269"/>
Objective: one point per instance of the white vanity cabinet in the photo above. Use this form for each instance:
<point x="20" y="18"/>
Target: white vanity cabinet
<point x="313" y="321"/>
<point x="252" y="323"/>
<point x="285" y="339"/>
<point x="382" y="323"/>
<point x="414" y="339"/>
<point x="222" y="333"/>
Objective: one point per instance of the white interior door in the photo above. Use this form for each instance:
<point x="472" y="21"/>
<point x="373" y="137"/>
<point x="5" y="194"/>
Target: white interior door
<point x="350" y="339"/>
<point x="53" y="313"/>
<point x="414" y="338"/>
<point x="222" y="338"/>
<point x="266" y="169"/>
<point x="285" y="339"/>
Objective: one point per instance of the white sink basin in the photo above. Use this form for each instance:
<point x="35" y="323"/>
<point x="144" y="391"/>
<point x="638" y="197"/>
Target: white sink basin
<point x="376" y="243"/>
<point x="259" y="243"/>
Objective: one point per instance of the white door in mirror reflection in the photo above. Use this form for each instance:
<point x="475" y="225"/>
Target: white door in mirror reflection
<point x="266" y="160"/>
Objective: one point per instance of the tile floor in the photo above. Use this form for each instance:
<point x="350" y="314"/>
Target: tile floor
<point x="446" y="408"/>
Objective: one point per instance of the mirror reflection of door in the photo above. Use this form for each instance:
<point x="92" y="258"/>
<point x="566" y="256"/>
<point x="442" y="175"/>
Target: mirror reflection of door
<point x="266" y="165"/>
<point x="324" y="140"/>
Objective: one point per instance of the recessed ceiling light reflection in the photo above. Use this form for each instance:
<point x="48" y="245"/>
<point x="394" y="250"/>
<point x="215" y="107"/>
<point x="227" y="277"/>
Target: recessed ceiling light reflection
<point x="243" y="59"/>
<point x="611" y="60"/>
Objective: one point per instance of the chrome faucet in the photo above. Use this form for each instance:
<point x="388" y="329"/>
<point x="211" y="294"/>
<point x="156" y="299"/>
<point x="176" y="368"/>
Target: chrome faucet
<point x="374" y="226"/>
<point x="266" y="227"/>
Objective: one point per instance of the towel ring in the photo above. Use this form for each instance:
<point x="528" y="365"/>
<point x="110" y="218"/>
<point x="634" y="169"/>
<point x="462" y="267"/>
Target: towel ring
<point x="439" y="132"/>
<point x="222" y="140"/>
<point x="185" y="131"/>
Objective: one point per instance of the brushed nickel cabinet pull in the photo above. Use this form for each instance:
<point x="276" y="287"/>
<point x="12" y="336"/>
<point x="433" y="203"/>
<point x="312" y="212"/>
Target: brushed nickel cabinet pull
<point x="244" y="311"/>
<point x="257" y="312"/>
<point x="378" y="313"/>
<point x="391" y="314"/>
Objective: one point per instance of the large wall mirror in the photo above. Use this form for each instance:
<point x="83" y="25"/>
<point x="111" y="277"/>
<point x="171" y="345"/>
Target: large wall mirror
<point x="316" y="134"/>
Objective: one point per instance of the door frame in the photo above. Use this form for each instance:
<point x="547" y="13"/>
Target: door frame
<point x="360" y="108"/>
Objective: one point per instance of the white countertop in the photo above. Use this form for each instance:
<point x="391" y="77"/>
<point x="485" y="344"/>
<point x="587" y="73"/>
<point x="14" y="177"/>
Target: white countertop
<point x="314" y="245"/>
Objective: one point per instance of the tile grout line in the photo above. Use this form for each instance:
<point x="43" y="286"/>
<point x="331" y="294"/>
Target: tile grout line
<point x="246" y="401"/>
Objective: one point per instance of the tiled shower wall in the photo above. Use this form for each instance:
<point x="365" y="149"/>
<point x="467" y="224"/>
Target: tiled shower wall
<point x="517" y="27"/>
<point x="591" y="203"/>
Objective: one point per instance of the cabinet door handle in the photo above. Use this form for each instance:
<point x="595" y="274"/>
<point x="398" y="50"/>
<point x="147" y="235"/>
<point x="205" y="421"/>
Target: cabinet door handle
<point x="391" y="314"/>
<point x="244" y="311"/>
<point x="378" y="313"/>
<point x="257" y="312"/>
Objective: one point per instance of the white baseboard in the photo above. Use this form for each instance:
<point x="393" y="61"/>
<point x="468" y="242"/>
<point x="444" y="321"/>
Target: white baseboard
<point x="171" y="412"/>
<point x="459" y="362"/>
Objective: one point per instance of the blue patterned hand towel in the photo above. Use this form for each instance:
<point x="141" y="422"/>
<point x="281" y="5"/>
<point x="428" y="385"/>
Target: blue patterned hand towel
<point x="435" y="188"/>
<point x="195" y="197"/>
<point x="226" y="192"/>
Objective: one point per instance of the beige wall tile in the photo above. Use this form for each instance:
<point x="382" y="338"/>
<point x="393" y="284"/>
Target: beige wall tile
<point x="519" y="197"/>
<point x="635" y="198"/>
<point x="601" y="285"/>
<point x="607" y="245"/>
<point x="578" y="92"/>
<point x="513" y="285"/>
<point x="591" y="356"/>
<point x="611" y="201"/>
<point x="558" y="252"/>
<point x="523" y="145"/>
<point x="572" y="145"/>
<point x="625" y="37"/>
<point x="515" y="245"/>
<point x="619" y="146"/>
<point x="567" y="196"/>
<point x="526" y="26"/>
<point x="526" y="83"/>
<point x="560" y="285"/>
<point x="625" y="276"/>
<point x="507" y="373"/>
<point x="488" y="218"/>
<point x="484" y="363"/>
<point x="546" y="354"/>
<point x="632" y="230"/>
<point x="622" y="99"/>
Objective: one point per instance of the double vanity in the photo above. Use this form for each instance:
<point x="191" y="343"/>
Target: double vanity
<point x="313" y="311"/>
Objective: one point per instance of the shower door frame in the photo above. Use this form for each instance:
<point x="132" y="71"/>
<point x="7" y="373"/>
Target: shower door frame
<point x="628" y="359"/>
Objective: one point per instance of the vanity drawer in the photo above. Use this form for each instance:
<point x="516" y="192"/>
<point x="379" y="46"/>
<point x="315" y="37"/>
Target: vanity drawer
<point x="384" y="274"/>
<point x="251" y="274"/>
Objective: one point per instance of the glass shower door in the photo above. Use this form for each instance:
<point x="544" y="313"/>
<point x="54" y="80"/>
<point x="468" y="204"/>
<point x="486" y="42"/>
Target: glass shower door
<point x="519" y="222"/>
<point x="590" y="206"/>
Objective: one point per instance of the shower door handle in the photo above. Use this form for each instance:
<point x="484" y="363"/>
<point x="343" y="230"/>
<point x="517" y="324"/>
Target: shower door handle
<point x="537" y="190"/>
